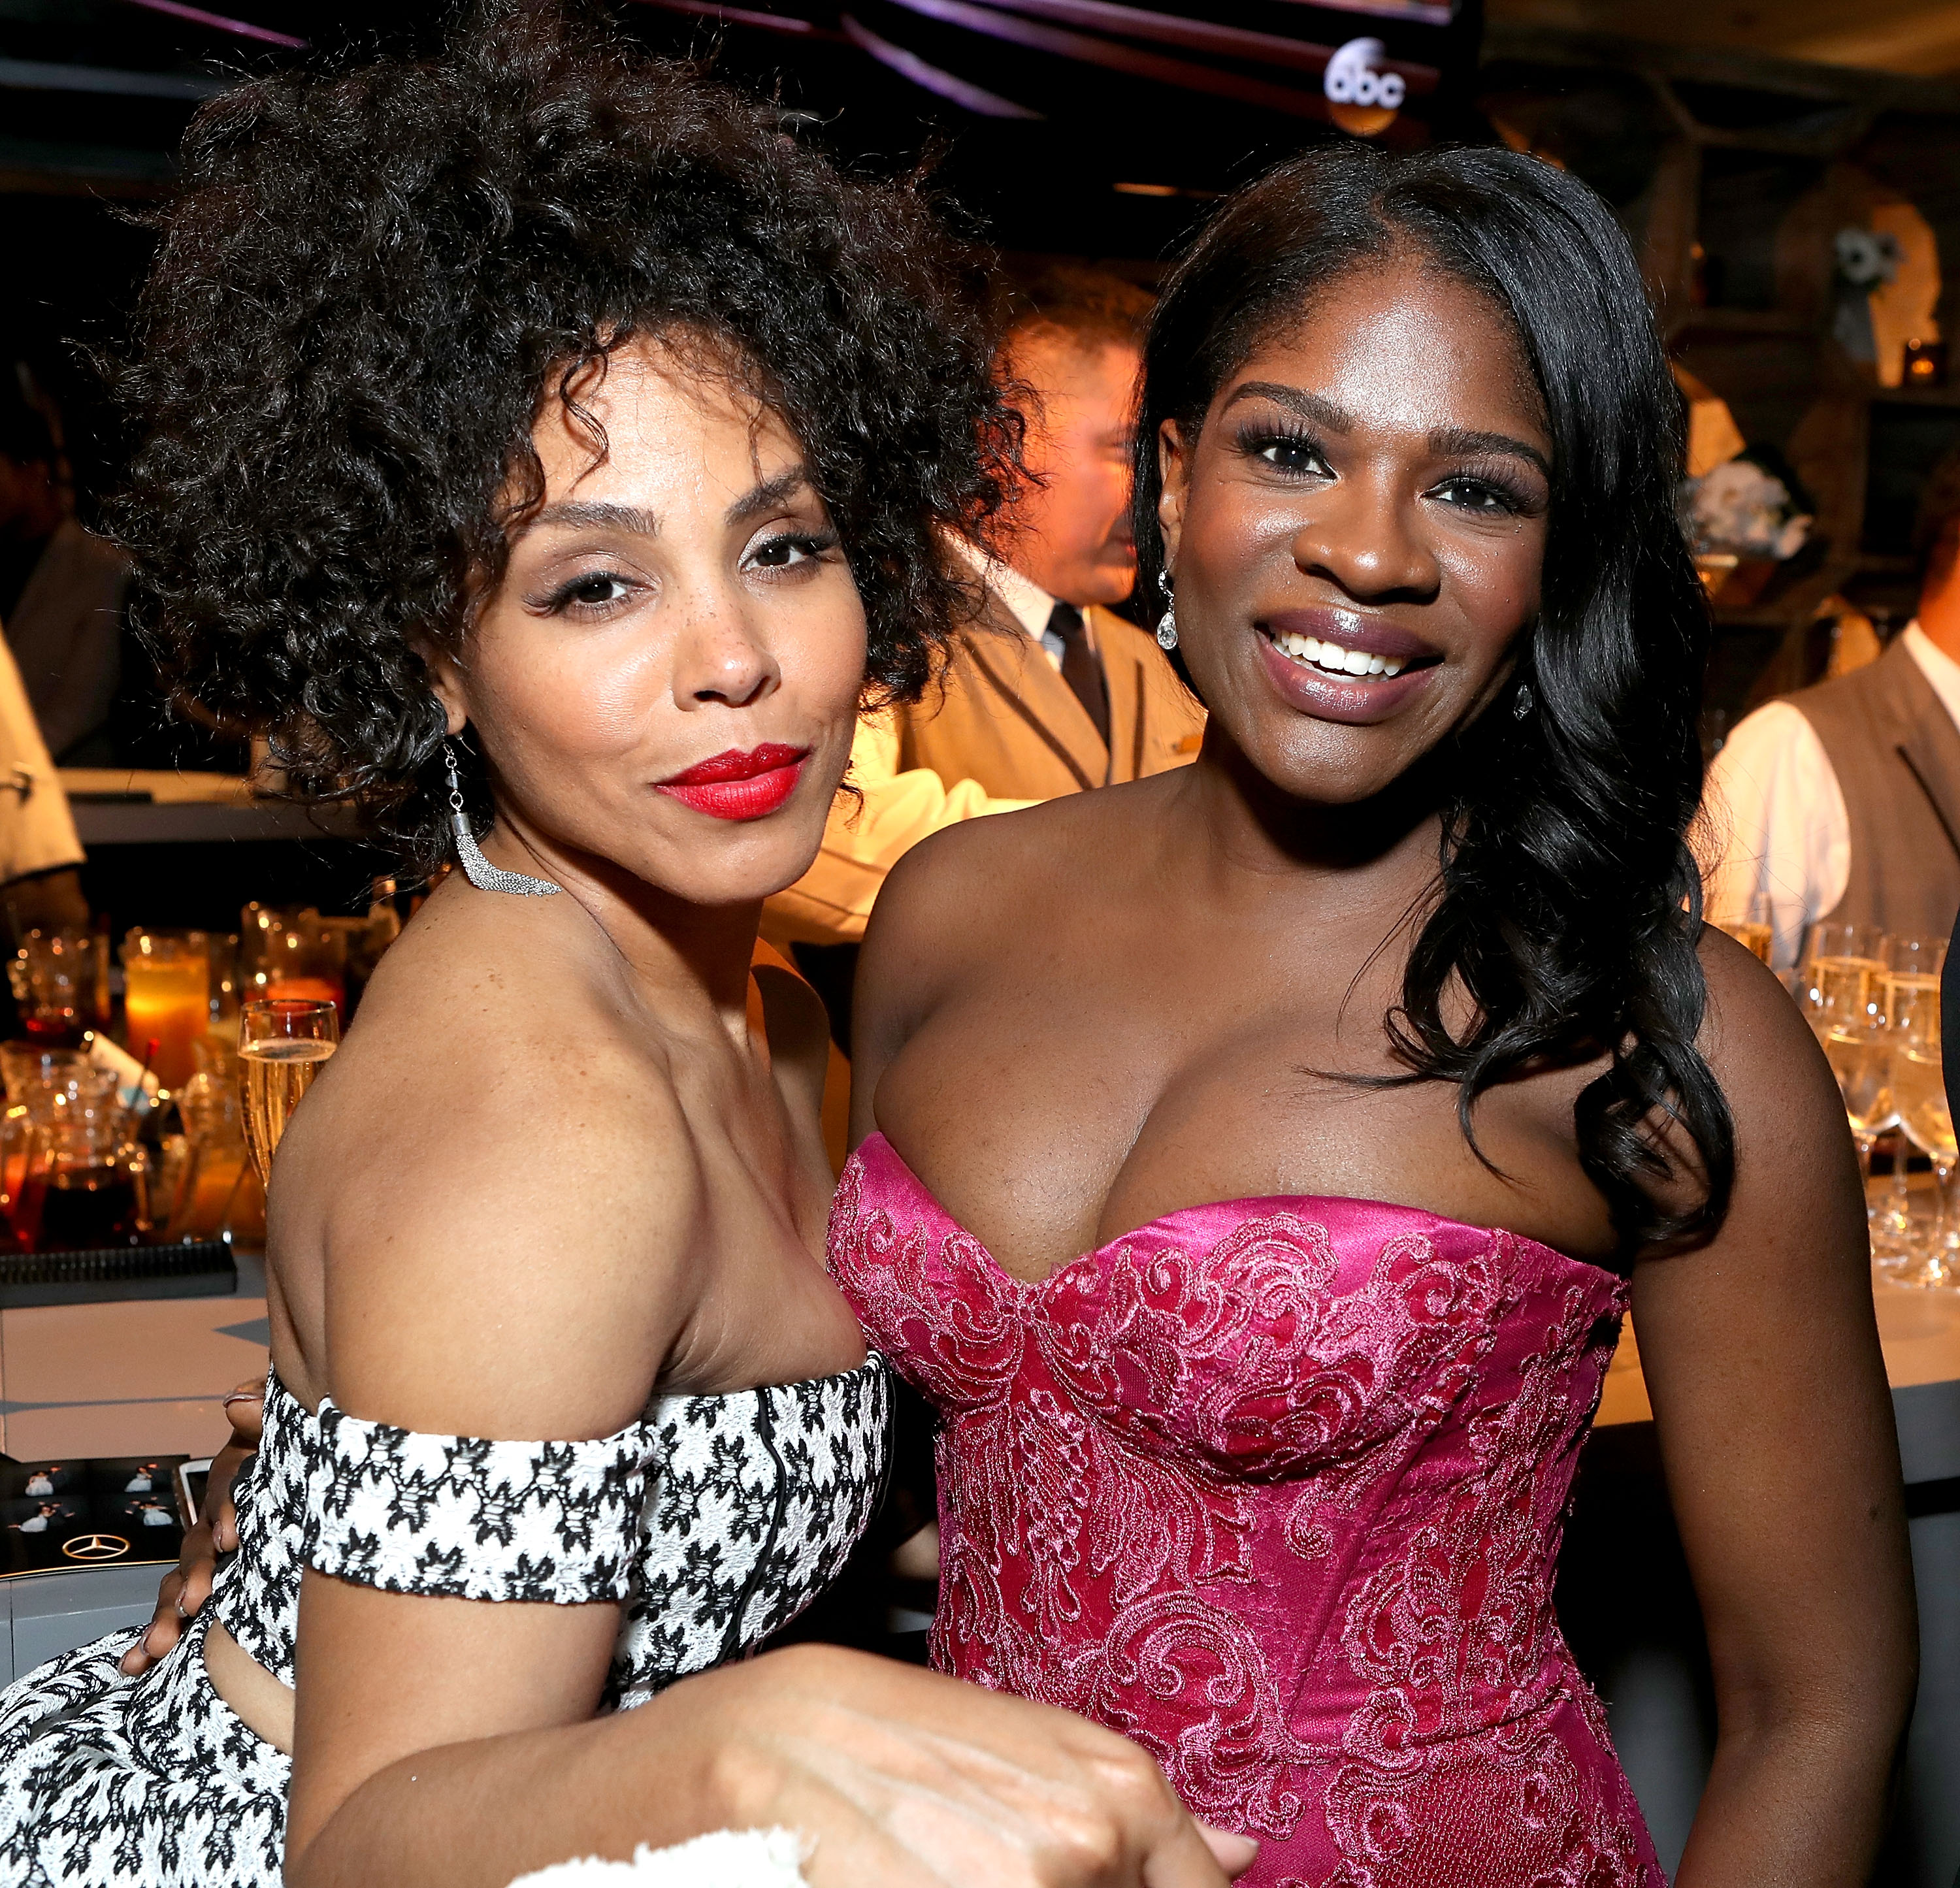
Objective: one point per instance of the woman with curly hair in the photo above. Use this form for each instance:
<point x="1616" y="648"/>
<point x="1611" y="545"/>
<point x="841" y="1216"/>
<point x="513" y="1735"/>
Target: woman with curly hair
<point x="1338" y="1093"/>
<point x="549" y="455"/>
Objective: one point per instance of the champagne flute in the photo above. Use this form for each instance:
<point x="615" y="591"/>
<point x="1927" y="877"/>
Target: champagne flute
<point x="1918" y="1090"/>
<point x="282" y="1040"/>
<point x="1844" y="968"/>
<point x="1911" y="980"/>
<point x="1752" y="928"/>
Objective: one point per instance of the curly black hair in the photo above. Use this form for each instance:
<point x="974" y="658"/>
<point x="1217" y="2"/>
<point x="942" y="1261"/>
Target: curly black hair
<point x="374" y="280"/>
<point x="1567" y="904"/>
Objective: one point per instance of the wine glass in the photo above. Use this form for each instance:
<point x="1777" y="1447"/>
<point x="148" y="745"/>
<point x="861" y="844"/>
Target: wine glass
<point x="1753" y="927"/>
<point x="1840" y="989"/>
<point x="1843" y="965"/>
<point x="282" y="1040"/>
<point x="1919" y="1091"/>
<point x="1911" y="980"/>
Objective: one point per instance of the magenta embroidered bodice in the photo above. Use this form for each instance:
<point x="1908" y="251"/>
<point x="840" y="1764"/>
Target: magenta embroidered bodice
<point x="1275" y="1487"/>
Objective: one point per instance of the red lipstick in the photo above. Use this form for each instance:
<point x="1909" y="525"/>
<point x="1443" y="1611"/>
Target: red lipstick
<point x="737" y="785"/>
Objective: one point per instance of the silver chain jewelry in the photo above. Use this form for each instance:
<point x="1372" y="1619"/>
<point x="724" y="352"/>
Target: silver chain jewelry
<point x="476" y="869"/>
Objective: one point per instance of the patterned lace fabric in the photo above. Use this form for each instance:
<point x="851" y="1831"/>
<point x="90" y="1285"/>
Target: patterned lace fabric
<point x="713" y="1520"/>
<point x="1275" y="1487"/>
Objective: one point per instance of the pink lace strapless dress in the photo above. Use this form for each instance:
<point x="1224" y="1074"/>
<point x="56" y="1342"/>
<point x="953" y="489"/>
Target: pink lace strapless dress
<point x="1275" y="1487"/>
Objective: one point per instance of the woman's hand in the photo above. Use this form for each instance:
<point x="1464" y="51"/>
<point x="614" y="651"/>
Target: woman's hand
<point x="904" y="1778"/>
<point x="187" y="1586"/>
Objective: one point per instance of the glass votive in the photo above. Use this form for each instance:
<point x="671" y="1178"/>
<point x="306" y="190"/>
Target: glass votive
<point x="165" y="999"/>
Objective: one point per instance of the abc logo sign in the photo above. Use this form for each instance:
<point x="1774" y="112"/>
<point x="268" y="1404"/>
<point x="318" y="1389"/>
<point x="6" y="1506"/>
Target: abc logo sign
<point x="1363" y="98"/>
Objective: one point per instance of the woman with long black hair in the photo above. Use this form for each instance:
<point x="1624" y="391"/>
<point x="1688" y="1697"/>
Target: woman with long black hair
<point x="1258" y="1160"/>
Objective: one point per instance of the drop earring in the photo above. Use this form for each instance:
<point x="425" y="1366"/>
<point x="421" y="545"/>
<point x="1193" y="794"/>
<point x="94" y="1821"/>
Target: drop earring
<point x="1167" y="622"/>
<point x="476" y="869"/>
<point x="1525" y="701"/>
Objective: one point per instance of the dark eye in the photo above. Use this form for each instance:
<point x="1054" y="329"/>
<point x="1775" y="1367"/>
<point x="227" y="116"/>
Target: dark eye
<point x="1291" y="455"/>
<point x="779" y="553"/>
<point x="592" y="592"/>
<point x="1476" y="494"/>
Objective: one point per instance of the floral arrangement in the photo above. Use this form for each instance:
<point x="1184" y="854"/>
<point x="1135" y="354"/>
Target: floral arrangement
<point x="1742" y="510"/>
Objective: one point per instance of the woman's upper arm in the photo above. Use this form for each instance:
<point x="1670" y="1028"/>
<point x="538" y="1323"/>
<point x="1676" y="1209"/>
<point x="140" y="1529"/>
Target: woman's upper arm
<point x="1760" y="1352"/>
<point x="531" y="1297"/>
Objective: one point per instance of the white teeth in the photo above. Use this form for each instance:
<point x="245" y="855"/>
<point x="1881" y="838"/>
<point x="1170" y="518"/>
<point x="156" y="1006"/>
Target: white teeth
<point x="1331" y="659"/>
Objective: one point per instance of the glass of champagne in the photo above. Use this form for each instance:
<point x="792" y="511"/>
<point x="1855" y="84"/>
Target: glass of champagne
<point x="1912" y="981"/>
<point x="1844" y="969"/>
<point x="282" y="1040"/>
<point x="1752" y="928"/>
<point x="1919" y="1091"/>
<point x="1858" y="1046"/>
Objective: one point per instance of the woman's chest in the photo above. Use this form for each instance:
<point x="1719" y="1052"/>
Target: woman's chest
<point x="1050" y="1123"/>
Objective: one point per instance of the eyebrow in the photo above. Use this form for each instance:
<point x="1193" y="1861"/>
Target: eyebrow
<point x="590" y="514"/>
<point x="771" y="492"/>
<point x="1445" y="441"/>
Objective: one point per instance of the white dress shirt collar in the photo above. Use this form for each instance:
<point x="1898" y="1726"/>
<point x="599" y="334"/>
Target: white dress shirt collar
<point x="1939" y="668"/>
<point x="1030" y="605"/>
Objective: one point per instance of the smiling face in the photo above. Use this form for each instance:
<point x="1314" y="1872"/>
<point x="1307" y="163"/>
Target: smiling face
<point x="1357" y="533"/>
<point x="665" y="680"/>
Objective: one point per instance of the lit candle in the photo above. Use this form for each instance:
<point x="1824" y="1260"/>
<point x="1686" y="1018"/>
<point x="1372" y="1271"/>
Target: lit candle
<point x="166" y="1000"/>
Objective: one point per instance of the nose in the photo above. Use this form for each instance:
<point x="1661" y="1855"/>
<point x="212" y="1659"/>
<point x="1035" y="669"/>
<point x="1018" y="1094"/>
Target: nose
<point x="1366" y="536"/>
<point x="720" y="660"/>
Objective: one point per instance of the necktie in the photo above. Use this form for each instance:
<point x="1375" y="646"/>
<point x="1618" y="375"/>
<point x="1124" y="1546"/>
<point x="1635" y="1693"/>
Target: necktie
<point x="1081" y="667"/>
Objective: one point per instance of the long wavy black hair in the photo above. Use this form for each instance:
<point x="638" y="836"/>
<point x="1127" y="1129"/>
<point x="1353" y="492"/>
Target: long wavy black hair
<point x="372" y="282"/>
<point x="1566" y="905"/>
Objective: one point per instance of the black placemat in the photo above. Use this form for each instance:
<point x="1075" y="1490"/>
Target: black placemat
<point x="203" y="1270"/>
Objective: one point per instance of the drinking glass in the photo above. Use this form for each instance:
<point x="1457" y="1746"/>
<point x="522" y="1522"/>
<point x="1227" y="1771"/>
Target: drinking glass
<point x="167" y="999"/>
<point x="93" y="1190"/>
<point x="1912" y="979"/>
<point x="1842" y="969"/>
<point x="54" y="979"/>
<point x="1753" y="929"/>
<point x="1857" y="1043"/>
<point x="282" y="1041"/>
<point x="217" y="1193"/>
<point x="292" y="952"/>
<point x="1919" y="1092"/>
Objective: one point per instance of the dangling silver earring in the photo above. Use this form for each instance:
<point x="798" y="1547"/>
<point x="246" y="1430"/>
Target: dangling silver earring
<point x="1522" y="707"/>
<point x="476" y="869"/>
<point x="1167" y="622"/>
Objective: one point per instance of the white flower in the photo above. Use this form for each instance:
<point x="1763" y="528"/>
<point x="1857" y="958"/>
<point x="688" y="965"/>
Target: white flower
<point x="1739" y="507"/>
<point x="1867" y="257"/>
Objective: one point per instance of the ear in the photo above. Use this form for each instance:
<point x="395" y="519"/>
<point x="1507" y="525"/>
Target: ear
<point x="1174" y="471"/>
<point x="447" y="677"/>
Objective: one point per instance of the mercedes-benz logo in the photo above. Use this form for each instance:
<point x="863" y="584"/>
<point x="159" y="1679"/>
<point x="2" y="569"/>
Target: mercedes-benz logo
<point x="95" y="1547"/>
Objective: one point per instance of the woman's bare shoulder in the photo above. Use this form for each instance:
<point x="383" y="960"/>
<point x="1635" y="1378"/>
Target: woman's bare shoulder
<point x="1761" y="1050"/>
<point x="1045" y="857"/>
<point x="498" y="1191"/>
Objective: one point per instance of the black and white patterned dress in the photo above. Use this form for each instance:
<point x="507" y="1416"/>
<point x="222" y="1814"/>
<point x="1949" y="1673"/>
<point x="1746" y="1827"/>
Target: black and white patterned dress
<point x="713" y="1520"/>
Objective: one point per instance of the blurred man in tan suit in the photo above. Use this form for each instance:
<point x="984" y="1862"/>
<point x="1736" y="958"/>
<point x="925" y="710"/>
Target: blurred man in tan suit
<point x="1051" y="693"/>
